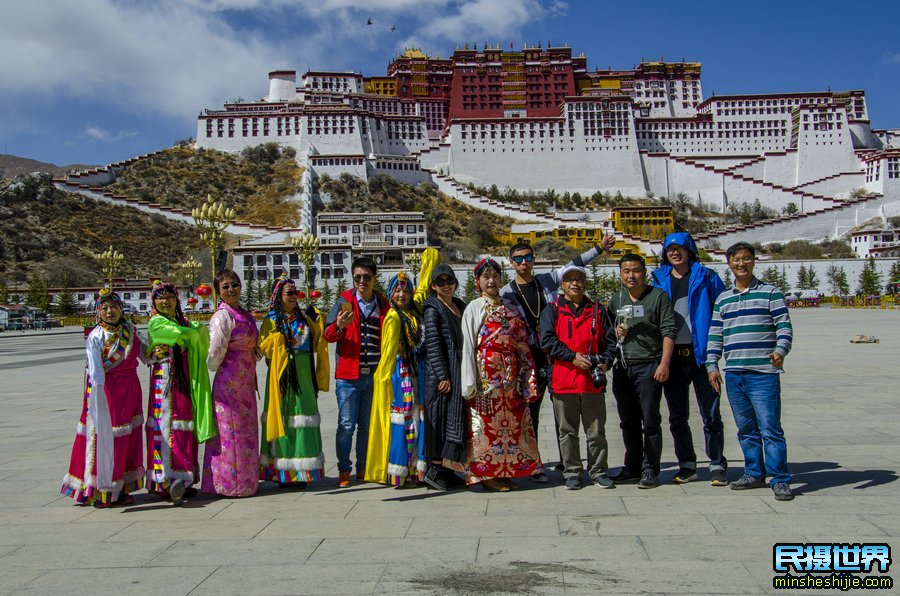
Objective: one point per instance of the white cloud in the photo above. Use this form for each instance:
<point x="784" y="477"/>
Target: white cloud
<point x="890" y="58"/>
<point x="97" y="133"/>
<point x="174" y="58"/>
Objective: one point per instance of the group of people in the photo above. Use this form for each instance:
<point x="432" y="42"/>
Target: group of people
<point x="434" y="390"/>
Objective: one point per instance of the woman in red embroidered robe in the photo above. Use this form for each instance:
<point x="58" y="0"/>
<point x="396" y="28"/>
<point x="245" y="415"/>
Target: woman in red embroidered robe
<point x="107" y="457"/>
<point x="498" y="382"/>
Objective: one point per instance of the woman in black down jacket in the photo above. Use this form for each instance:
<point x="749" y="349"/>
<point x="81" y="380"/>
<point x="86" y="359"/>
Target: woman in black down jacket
<point x="445" y="414"/>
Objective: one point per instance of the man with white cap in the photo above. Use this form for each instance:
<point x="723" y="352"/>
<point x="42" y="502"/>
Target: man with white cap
<point x="574" y="334"/>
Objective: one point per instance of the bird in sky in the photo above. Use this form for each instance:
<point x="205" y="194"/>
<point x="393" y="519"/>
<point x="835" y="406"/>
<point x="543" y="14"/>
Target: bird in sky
<point x="370" y="22"/>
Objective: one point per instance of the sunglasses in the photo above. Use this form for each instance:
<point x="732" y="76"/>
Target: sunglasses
<point x="290" y="293"/>
<point x="235" y="285"/>
<point x="519" y="258"/>
<point x="361" y="278"/>
<point x="444" y="281"/>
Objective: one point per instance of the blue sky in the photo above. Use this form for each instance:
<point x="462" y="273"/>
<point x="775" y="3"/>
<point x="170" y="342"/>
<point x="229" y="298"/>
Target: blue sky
<point x="95" y="81"/>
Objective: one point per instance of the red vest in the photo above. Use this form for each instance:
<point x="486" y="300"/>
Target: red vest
<point x="348" y="340"/>
<point x="575" y="332"/>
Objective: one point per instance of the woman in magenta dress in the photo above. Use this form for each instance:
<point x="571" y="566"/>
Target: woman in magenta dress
<point x="107" y="458"/>
<point x="231" y="459"/>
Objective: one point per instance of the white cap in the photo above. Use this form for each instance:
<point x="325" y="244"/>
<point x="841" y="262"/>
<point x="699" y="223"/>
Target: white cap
<point x="569" y="268"/>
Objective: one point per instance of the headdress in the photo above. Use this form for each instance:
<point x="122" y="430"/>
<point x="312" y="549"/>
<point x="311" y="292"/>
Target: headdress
<point x="277" y="287"/>
<point x="106" y="295"/>
<point x="401" y="280"/>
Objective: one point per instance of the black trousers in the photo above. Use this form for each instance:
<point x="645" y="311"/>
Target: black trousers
<point x="684" y="372"/>
<point x="638" y="396"/>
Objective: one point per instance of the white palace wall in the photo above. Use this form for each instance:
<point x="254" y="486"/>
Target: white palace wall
<point x="781" y="168"/>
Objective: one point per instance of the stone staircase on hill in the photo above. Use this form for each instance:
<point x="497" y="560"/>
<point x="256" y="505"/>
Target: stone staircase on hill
<point x="786" y="194"/>
<point x="454" y="189"/>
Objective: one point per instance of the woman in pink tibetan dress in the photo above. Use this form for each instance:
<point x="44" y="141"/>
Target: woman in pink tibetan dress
<point x="107" y="458"/>
<point x="231" y="459"/>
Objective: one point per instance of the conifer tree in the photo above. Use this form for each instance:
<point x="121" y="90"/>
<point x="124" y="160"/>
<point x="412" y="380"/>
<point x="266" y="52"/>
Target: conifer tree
<point x="65" y="302"/>
<point x="327" y="298"/>
<point x="469" y="292"/>
<point x="893" y="275"/>
<point x="812" y="280"/>
<point x="38" y="294"/>
<point x="727" y="278"/>
<point x="803" y="278"/>
<point x="869" y="279"/>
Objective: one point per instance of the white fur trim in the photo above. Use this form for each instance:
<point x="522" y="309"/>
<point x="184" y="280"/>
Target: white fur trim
<point x="81" y="429"/>
<point x="299" y="463"/>
<point x="301" y="421"/>
<point x="187" y="425"/>
<point x="398" y="418"/>
<point x="126" y="429"/>
<point x="421" y="465"/>
<point x="398" y="471"/>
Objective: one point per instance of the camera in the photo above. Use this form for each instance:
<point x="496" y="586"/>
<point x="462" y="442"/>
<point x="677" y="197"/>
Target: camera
<point x="598" y="377"/>
<point x="624" y="315"/>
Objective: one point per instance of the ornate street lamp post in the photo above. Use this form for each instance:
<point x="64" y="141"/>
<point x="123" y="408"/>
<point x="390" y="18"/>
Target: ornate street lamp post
<point x="212" y="218"/>
<point x="111" y="260"/>
<point x="190" y="269"/>
<point x="306" y="246"/>
<point x="414" y="264"/>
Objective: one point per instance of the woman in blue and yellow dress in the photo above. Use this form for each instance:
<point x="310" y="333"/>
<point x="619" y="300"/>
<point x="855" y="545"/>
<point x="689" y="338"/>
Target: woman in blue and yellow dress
<point x="395" y="451"/>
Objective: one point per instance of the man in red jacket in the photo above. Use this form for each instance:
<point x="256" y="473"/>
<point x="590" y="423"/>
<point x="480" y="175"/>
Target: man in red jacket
<point x="574" y="335"/>
<point x="354" y="323"/>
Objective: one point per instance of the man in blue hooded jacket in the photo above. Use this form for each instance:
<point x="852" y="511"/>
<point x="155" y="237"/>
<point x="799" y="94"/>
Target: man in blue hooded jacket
<point x="693" y="290"/>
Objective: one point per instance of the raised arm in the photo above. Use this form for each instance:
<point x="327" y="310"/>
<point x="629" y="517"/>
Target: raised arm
<point x="431" y="258"/>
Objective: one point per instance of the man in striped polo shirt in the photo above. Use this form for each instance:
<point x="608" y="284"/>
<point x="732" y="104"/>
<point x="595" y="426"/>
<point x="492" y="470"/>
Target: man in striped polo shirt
<point x="752" y="327"/>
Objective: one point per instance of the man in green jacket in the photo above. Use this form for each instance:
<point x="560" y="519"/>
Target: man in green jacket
<point x="645" y="338"/>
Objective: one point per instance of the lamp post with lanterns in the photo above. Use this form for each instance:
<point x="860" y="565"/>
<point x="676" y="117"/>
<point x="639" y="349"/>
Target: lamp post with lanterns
<point x="212" y="219"/>
<point x="110" y="259"/>
<point x="414" y="264"/>
<point x="306" y="246"/>
<point x="190" y="269"/>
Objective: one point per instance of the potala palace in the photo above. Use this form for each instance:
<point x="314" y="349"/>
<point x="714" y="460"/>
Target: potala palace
<point x="538" y="118"/>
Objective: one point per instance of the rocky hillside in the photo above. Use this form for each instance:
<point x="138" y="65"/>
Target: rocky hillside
<point x="55" y="234"/>
<point x="257" y="182"/>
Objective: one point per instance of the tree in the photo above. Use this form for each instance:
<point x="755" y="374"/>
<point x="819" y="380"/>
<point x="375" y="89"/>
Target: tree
<point x="813" y="279"/>
<point x="38" y="294"/>
<point x="341" y="286"/>
<point x="893" y="275"/>
<point x="803" y="278"/>
<point x="773" y="276"/>
<point x="4" y="292"/>
<point x="837" y="280"/>
<point x="469" y="291"/>
<point x="785" y="285"/>
<point x="504" y="277"/>
<point x="380" y="286"/>
<point x="479" y="230"/>
<point x="327" y="296"/>
<point x="65" y="302"/>
<point x="869" y="279"/>
<point x="727" y="279"/>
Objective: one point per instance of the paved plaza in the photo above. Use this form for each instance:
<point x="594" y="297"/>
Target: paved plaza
<point x="841" y="415"/>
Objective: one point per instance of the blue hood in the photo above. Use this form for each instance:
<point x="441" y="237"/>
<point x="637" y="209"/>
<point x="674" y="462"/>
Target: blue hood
<point x="683" y="239"/>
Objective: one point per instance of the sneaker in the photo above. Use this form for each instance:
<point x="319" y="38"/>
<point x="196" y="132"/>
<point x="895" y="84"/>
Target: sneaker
<point x="540" y="477"/>
<point x="604" y="481"/>
<point x="746" y="481"/>
<point x="453" y="481"/>
<point x="649" y="479"/>
<point x="625" y="475"/>
<point x="574" y="483"/>
<point x="685" y="475"/>
<point x="560" y="467"/>
<point x="435" y="479"/>
<point x="176" y="491"/>
<point x="718" y="478"/>
<point x="344" y="480"/>
<point x="782" y="491"/>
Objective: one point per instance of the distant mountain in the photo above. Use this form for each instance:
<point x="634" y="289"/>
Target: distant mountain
<point x="13" y="165"/>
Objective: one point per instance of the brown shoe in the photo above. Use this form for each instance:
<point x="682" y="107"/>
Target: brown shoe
<point x="360" y="476"/>
<point x="344" y="480"/>
<point x="494" y="486"/>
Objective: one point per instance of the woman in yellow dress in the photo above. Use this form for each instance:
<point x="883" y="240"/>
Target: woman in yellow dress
<point x="394" y="454"/>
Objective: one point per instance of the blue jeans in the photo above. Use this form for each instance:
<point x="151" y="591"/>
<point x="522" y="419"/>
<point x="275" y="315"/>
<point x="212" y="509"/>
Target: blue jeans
<point x="755" y="400"/>
<point x="354" y="400"/>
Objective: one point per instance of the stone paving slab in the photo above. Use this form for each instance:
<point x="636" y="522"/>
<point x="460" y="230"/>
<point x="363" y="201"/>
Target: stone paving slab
<point x="841" y="410"/>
